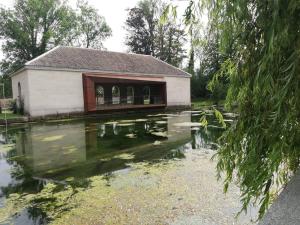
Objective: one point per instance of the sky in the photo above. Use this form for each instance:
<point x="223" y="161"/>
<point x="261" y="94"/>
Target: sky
<point x="115" y="14"/>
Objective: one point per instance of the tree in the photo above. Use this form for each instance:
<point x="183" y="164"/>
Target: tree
<point x="147" y="36"/>
<point x="32" y="27"/>
<point x="260" y="43"/>
<point x="92" y="29"/>
<point x="191" y="63"/>
<point x="168" y="44"/>
<point x="263" y="146"/>
<point x="138" y="39"/>
<point x="29" y="30"/>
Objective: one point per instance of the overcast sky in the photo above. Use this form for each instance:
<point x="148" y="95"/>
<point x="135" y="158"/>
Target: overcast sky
<point x="115" y="14"/>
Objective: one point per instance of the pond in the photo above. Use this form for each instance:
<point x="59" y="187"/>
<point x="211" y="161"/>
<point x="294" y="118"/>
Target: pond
<point x="142" y="169"/>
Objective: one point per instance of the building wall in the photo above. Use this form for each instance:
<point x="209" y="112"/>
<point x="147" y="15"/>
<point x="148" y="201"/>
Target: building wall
<point x="55" y="92"/>
<point x="21" y="78"/>
<point x="178" y="91"/>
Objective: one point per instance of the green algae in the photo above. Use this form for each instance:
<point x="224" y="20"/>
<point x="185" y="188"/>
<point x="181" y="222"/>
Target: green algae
<point x="147" y="194"/>
<point x="160" y="134"/>
<point x="125" y="124"/>
<point x="6" y="148"/>
<point x="53" y="138"/>
<point x="188" y="124"/>
<point x="125" y="156"/>
<point x="143" y="173"/>
<point x="157" y="143"/>
<point x="161" y="122"/>
<point x="141" y="120"/>
<point x="131" y="135"/>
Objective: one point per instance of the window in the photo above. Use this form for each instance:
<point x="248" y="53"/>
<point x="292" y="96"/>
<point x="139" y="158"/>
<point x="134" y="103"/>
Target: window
<point x="99" y="95"/>
<point x="19" y="94"/>
<point x="146" y="95"/>
<point x="115" y="95"/>
<point x="130" y="95"/>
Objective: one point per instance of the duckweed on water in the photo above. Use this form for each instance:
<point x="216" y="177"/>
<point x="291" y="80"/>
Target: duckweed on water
<point x="111" y="123"/>
<point x="141" y="120"/>
<point x="157" y="143"/>
<point x="131" y="135"/>
<point x="101" y="173"/>
<point x="161" y="122"/>
<point x="125" y="124"/>
<point x="160" y="134"/>
<point x="125" y="156"/>
<point x="6" y="148"/>
<point x="53" y="138"/>
<point x="188" y="124"/>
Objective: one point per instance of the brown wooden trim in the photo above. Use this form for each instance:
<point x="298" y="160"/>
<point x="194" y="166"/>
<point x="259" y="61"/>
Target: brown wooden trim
<point x="126" y="107"/>
<point x="89" y="81"/>
<point x="126" y="76"/>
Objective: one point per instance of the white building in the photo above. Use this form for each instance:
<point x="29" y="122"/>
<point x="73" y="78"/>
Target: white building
<point x="78" y="80"/>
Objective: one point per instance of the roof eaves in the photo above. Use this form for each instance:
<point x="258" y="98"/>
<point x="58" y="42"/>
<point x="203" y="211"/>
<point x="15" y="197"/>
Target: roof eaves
<point x="17" y="71"/>
<point x="186" y="73"/>
<point x="84" y="70"/>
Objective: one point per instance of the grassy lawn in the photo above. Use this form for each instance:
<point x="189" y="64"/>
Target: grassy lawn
<point x="203" y="102"/>
<point x="9" y="115"/>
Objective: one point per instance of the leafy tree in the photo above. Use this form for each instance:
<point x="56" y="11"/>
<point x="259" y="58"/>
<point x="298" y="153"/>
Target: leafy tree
<point x="191" y="63"/>
<point x="138" y="38"/>
<point x="263" y="146"/>
<point x="32" y="27"/>
<point x="260" y="43"/>
<point x="92" y="29"/>
<point x="146" y="35"/>
<point x="168" y="45"/>
<point x="199" y="85"/>
<point x="29" y="30"/>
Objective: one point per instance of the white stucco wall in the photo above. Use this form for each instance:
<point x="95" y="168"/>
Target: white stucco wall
<point x="21" y="78"/>
<point x="178" y="91"/>
<point x="52" y="92"/>
<point x="48" y="92"/>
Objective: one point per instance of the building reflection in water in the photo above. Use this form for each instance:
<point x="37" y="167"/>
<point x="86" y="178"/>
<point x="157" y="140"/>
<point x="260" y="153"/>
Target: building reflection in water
<point x="53" y="147"/>
<point x="48" y="147"/>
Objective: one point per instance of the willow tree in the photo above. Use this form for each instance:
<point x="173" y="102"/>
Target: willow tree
<point x="261" y="150"/>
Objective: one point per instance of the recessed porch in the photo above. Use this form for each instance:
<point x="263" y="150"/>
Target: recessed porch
<point x="122" y="92"/>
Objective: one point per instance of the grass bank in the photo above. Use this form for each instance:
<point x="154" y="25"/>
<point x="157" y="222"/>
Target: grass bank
<point x="9" y="115"/>
<point x="204" y="102"/>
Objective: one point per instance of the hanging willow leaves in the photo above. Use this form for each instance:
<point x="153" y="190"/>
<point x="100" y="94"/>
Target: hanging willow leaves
<point x="260" y="42"/>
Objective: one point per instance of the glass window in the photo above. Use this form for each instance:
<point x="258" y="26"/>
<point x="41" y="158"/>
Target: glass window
<point x="130" y="95"/>
<point x="99" y="95"/>
<point x="146" y="95"/>
<point x="115" y="95"/>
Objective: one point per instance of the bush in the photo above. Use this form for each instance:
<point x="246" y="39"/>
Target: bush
<point x="15" y="108"/>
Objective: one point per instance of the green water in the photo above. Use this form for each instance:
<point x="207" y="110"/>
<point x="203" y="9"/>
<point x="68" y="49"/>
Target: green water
<point x="70" y="154"/>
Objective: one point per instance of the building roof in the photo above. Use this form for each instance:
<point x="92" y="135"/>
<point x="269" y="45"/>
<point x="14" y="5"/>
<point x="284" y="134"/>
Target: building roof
<point x="73" y="58"/>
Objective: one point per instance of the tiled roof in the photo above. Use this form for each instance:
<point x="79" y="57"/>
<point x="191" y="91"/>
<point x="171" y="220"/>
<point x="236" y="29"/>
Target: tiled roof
<point x="104" y="61"/>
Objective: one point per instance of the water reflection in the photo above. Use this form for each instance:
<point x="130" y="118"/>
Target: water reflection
<point x="50" y="147"/>
<point x="47" y="149"/>
<point x="57" y="151"/>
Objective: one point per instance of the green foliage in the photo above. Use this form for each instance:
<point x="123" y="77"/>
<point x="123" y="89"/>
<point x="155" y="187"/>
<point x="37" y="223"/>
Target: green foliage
<point x="16" y="106"/>
<point x="219" y="117"/>
<point x="32" y="27"/>
<point x="259" y="42"/>
<point x="199" y="86"/>
<point x="263" y="147"/>
<point x="7" y="87"/>
<point x="147" y="35"/>
<point x="29" y="28"/>
<point x="92" y="29"/>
